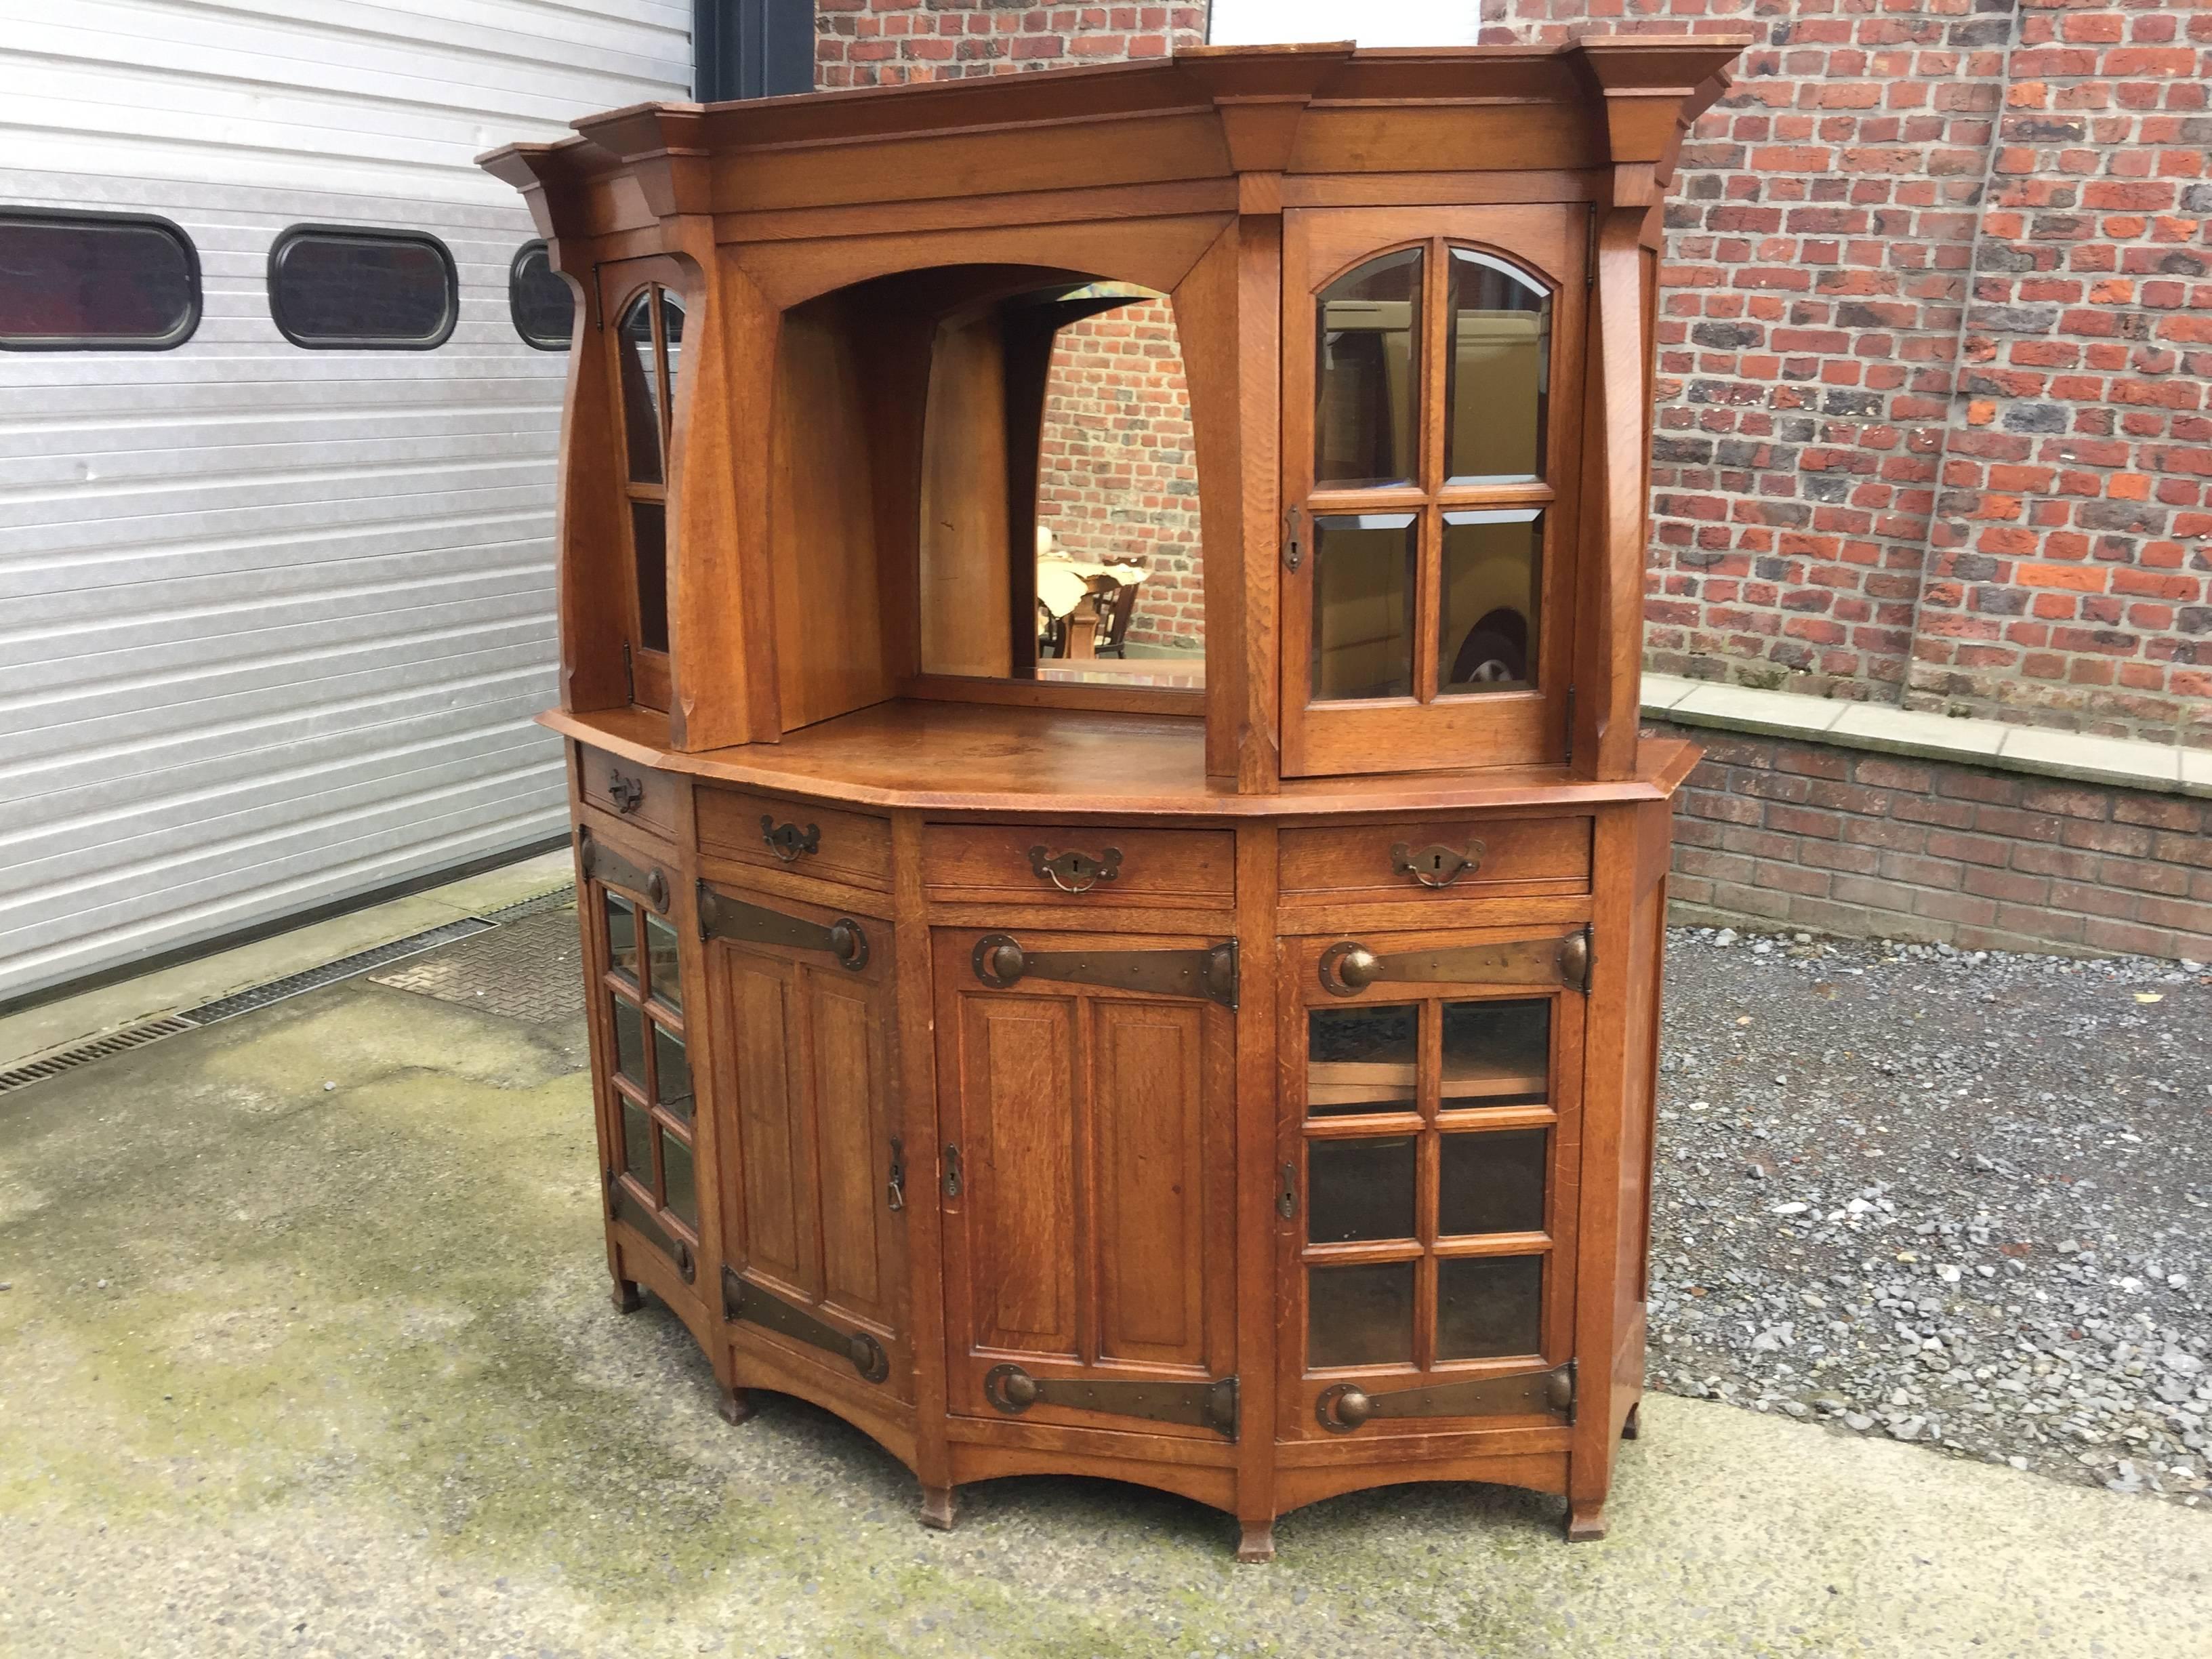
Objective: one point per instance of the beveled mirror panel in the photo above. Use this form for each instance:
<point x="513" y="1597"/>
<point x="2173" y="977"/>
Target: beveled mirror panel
<point x="1497" y="373"/>
<point x="1367" y="375"/>
<point x="1490" y="605"/>
<point x="1364" y="590"/>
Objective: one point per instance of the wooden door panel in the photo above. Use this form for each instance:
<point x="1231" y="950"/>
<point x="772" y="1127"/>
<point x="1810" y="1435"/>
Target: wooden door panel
<point x="1018" y="1117"/>
<point x="774" y="1237"/>
<point x="1148" y="1114"/>
<point x="850" y="1091"/>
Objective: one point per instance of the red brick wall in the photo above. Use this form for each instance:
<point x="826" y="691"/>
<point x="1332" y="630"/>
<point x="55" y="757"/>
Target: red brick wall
<point x="866" y="43"/>
<point x="1933" y="425"/>
<point x="1838" y="841"/>
<point x="1116" y="471"/>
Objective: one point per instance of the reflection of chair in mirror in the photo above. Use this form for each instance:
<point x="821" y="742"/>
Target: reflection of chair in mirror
<point x="1114" y="603"/>
<point x="1496" y="648"/>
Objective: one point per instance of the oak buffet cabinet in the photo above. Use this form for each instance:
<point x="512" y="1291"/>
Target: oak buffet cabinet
<point x="1245" y="1089"/>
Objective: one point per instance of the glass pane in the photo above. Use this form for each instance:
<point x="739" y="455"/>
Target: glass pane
<point x="682" y="1196"/>
<point x="94" y="281"/>
<point x="671" y="339"/>
<point x="1360" y="1189"/>
<point x="371" y="288"/>
<point x="1496" y="1053"/>
<point x="667" y="979"/>
<point x="1488" y="1306"/>
<point x="1367" y="375"/>
<point x="1499" y="367"/>
<point x="648" y="529"/>
<point x="1492" y="586"/>
<point x="1359" y="1316"/>
<point x="672" y="1073"/>
<point x="1361" y="1059"/>
<point x="637" y="1143"/>
<point x="629" y="1041"/>
<point x="1492" y="1183"/>
<point x="640" y="388"/>
<point x="621" y="935"/>
<point x="544" y="315"/>
<point x="1363" y="623"/>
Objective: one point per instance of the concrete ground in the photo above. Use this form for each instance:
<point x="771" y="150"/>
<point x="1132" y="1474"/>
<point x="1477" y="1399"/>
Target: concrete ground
<point x="306" y="1347"/>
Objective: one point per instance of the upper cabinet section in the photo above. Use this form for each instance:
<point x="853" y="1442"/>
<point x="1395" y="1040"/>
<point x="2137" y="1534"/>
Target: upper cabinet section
<point x="1296" y="392"/>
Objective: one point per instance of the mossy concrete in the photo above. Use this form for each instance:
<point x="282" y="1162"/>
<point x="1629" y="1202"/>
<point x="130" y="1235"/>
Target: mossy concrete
<point x="291" y="1367"/>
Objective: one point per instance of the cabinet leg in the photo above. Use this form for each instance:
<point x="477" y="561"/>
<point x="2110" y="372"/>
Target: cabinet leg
<point x="1258" y="1541"/>
<point x="1585" y="1520"/>
<point x="1633" y="1427"/>
<point x="940" y="1507"/>
<point x="735" y="1404"/>
<point x="627" y="1297"/>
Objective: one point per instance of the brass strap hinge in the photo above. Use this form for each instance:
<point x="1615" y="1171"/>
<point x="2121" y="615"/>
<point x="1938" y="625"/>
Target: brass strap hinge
<point x="1206" y="1405"/>
<point x="1000" y="961"/>
<point x="1348" y="966"/>
<point x="1345" y="1406"/>
<point x="602" y="863"/>
<point x="742" y="1299"/>
<point x="625" y="1206"/>
<point x="721" y="917"/>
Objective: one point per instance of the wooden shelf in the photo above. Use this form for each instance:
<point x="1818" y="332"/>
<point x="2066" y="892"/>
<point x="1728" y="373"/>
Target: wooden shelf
<point x="987" y="758"/>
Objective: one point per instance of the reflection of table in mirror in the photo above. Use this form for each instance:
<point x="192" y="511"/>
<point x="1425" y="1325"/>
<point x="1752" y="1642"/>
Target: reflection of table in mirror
<point x="1064" y="587"/>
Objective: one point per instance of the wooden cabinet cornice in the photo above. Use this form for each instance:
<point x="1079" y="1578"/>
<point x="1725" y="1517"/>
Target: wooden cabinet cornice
<point x="1230" y="1071"/>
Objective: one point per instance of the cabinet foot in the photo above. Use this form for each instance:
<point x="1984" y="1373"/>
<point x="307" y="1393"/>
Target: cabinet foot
<point x="1585" y="1520"/>
<point x="940" y="1507"/>
<point x="1258" y="1541"/>
<point x="735" y="1405"/>
<point x="627" y="1297"/>
<point x="1634" y="1426"/>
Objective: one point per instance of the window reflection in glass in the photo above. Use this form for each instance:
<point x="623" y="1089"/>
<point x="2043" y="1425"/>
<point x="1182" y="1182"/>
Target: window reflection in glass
<point x="1499" y="367"/>
<point x="84" y="281"/>
<point x="1363" y="599"/>
<point x="672" y="1072"/>
<point x="667" y="977"/>
<point x="621" y="935"/>
<point x="1489" y="1306"/>
<point x="1490" y="607"/>
<point x="641" y="391"/>
<point x="362" y="288"/>
<point x="1496" y="1053"/>
<point x="1361" y="1059"/>
<point x="1360" y="1189"/>
<point x="1491" y="1183"/>
<point x="1361" y="1314"/>
<point x="539" y="303"/>
<point x="1367" y="375"/>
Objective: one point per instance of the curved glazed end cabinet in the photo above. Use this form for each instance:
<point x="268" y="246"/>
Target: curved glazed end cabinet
<point x="1241" y="1087"/>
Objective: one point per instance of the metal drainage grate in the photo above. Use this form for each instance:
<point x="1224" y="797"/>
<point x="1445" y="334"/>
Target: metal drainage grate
<point x="530" y="907"/>
<point x="113" y="1043"/>
<point x="260" y="996"/>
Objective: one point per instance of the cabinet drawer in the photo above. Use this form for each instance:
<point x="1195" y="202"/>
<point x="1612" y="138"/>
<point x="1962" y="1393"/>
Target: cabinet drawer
<point x="627" y="789"/>
<point x="1035" y="863"/>
<point x="1369" y="860"/>
<point x="799" y="836"/>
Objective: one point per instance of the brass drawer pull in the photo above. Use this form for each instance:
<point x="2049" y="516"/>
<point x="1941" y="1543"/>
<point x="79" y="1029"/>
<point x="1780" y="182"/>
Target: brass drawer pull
<point x="789" y="842"/>
<point x="1437" y="866"/>
<point x="1345" y="1406"/>
<point x="1347" y="968"/>
<point x="627" y="794"/>
<point x="1075" y="873"/>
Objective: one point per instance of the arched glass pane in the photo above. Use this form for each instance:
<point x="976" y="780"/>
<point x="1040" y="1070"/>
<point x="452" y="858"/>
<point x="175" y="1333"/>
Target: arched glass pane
<point x="539" y="303"/>
<point x="1367" y="375"/>
<point x="672" y="335"/>
<point x="1496" y="371"/>
<point x="640" y="389"/>
<point x="1489" y="608"/>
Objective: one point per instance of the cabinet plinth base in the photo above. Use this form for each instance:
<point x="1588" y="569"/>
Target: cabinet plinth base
<point x="940" y="1507"/>
<point x="735" y="1405"/>
<point x="1257" y="1541"/>
<point x="1585" y="1520"/>
<point x="626" y="1296"/>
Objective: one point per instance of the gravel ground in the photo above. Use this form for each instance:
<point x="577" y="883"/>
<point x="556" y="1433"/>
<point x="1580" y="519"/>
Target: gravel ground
<point x="1963" y="1198"/>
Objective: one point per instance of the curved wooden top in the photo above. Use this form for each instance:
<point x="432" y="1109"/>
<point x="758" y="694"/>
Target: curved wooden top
<point x="983" y="759"/>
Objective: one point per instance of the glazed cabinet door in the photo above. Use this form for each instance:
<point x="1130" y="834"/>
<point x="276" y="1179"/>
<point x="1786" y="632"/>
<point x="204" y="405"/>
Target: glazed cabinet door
<point x="1086" y="1191"/>
<point x="1427" y="1179"/>
<point x="1432" y="402"/>
<point x="815" y="1186"/>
